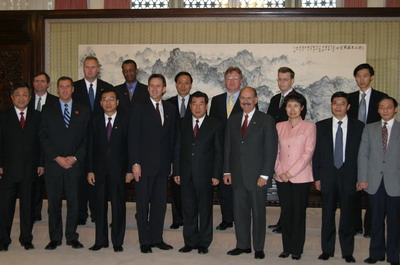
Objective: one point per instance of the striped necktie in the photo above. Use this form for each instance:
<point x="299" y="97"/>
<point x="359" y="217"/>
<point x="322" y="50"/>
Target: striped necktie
<point x="67" y="115"/>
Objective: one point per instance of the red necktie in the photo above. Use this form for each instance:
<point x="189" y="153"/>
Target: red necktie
<point x="196" y="128"/>
<point x="244" y="126"/>
<point x="22" y="120"/>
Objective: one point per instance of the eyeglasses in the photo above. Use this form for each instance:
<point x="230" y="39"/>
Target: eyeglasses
<point x="108" y="99"/>
<point x="233" y="78"/>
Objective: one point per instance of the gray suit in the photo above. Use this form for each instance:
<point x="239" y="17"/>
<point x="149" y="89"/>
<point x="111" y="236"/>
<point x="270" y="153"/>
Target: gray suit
<point x="381" y="170"/>
<point x="246" y="158"/>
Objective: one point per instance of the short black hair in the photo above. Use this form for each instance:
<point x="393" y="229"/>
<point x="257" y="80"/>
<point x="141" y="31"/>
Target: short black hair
<point x="297" y="97"/>
<point x="364" y="66"/>
<point x="183" y="73"/>
<point x="199" y="94"/>
<point x="389" y="98"/>
<point x="129" y="61"/>
<point x="158" y="76"/>
<point x="109" y="90"/>
<point x="340" y="94"/>
<point x="17" y="85"/>
<point x="63" y="78"/>
<point x="42" y="73"/>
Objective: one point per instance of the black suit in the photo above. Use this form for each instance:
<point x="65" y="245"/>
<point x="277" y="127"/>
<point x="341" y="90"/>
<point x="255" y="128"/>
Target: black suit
<point x="38" y="187"/>
<point x="81" y="96"/>
<point x="20" y="158"/>
<point x="372" y="116"/>
<point x="177" y="215"/>
<point x="125" y="104"/>
<point x="279" y="113"/>
<point x="108" y="160"/>
<point x="337" y="185"/>
<point x="151" y="145"/>
<point x="225" y="196"/>
<point x="58" y="140"/>
<point x="199" y="159"/>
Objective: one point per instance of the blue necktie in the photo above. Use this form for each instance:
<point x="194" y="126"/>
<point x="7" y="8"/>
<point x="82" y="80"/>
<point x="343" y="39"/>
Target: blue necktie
<point x="91" y="96"/>
<point x="338" y="155"/>
<point x="67" y="115"/>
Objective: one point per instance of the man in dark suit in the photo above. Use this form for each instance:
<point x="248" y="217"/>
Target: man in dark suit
<point x="63" y="136"/>
<point x="198" y="168"/>
<point x="378" y="175"/>
<point x="335" y="175"/>
<point x="87" y="92"/>
<point x="251" y="144"/>
<point x="364" y="107"/>
<point x="222" y="106"/>
<point x="41" y="83"/>
<point x="277" y="109"/>
<point x="132" y="90"/>
<point x="19" y="165"/>
<point x="183" y="84"/>
<point x="151" y="149"/>
<point x="108" y="169"/>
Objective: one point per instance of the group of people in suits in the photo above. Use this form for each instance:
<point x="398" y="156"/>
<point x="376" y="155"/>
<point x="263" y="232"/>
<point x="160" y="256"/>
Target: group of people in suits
<point x="95" y="138"/>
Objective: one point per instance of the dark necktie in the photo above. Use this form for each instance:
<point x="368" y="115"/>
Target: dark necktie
<point x="183" y="108"/>
<point x="109" y="128"/>
<point x="362" y="111"/>
<point x="196" y="128"/>
<point x="67" y="115"/>
<point x="244" y="126"/>
<point x="39" y="104"/>
<point x="281" y="101"/>
<point x="385" y="135"/>
<point x="338" y="155"/>
<point x="91" y="96"/>
<point x="22" y="120"/>
<point x="130" y="90"/>
<point x="158" y="112"/>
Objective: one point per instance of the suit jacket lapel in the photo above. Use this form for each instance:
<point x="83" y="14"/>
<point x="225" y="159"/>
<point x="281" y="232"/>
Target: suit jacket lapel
<point x="394" y="137"/>
<point x="251" y="124"/>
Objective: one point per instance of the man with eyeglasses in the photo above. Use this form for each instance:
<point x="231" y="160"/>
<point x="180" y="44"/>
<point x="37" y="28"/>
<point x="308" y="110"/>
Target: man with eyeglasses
<point x="277" y="109"/>
<point x="108" y="169"/>
<point x="132" y="90"/>
<point x="222" y="106"/>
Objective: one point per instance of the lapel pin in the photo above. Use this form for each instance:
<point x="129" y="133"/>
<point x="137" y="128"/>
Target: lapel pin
<point x="76" y="111"/>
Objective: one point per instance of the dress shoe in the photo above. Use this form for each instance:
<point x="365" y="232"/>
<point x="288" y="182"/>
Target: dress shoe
<point x="325" y="256"/>
<point x="145" y="249"/>
<point x="367" y="234"/>
<point x="238" y="251"/>
<point x="37" y="219"/>
<point x="74" y="244"/>
<point x="277" y="230"/>
<point x="186" y="249"/>
<point x="97" y="247"/>
<point x="224" y="225"/>
<point x="175" y="225"/>
<point x="202" y="250"/>
<point x="27" y="245"/>
<point x="349" y="259"/>
<point x="284" y="255"/>
<point x="93" y="220"/>
<point x="259" y="254"/>
<point x="394" y="263"/>
<point x="162" y="245"/>
<point x="82" y="222"/>
<point x="358" y="232"/>
<point x="296" y="256"/>
<point x="53" y="245"/>
<point x="274" y="226"/>
<point x="118" y="249"/>
<point x="3" y="247"/>
<point x="372" y="260"/>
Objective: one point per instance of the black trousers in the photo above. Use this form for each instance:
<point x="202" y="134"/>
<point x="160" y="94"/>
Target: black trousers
<point x="197" y="214"/>
<point x="367" y="216"/>
<point x="225" y="197"/>
<point x="56" y="186"/>
<point x="176" y="202"/>
<point x="9" y="191"/>
<point x="38" y="197"/>
<point x="385" y="206"/>
<point x="116" y="191"/>
<point x="151" y="204"/>
<point x="347" y="205"/>
<point x="293" y="198"/>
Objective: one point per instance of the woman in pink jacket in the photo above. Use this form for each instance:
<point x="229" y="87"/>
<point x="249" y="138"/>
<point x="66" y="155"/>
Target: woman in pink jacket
<point x="294" y="174"/>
